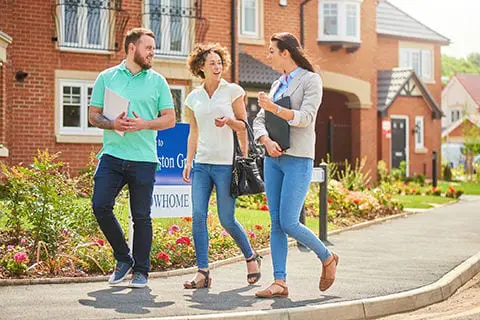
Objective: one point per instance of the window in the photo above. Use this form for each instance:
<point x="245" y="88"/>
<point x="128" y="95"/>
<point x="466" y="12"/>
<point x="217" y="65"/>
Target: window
<point x="249" y="22"/>
<point x="178" y="95"/>
<point x="454" y="115"/>
<point x="419" y="133"/>
<point x="85" y="24"/>
<point x="330" y="26"/>
<point x="339" y="20"/>
<point x="420" y="60"/>
<point x="74" y="101"/>
<point x="351" y="20"/>
<point x="169" y="21"/>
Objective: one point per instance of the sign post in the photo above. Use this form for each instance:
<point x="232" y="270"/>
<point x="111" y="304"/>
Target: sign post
<point x="320" y="175"/>
<point x="171" y="195"/>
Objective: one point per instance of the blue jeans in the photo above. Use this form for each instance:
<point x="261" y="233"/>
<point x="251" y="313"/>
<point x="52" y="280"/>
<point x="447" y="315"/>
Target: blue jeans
<point x="286" y="183"/>
<point x="110" y="177"/>
<point x="204" y="177"/>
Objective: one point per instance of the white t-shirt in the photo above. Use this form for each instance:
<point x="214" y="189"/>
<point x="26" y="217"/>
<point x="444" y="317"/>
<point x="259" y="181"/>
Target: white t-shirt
<point x="215" y="145"/>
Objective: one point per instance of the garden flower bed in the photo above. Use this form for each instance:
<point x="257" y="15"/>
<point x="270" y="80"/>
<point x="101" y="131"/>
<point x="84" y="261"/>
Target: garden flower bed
<point x="47" y="228"/>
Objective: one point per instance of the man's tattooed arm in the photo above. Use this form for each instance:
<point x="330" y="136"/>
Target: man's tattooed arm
<point x="97" y="119"/>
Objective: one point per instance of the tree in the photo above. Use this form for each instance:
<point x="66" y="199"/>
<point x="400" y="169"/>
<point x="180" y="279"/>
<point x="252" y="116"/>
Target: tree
<point x="452" y="65"/>
<point x="474" y="58"/>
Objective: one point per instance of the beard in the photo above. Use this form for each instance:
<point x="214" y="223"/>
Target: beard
<point x="141" y="61"/>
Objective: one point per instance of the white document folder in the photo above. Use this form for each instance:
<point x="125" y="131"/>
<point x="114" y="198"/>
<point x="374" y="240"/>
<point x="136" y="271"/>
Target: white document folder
<point x="114" y="105"/>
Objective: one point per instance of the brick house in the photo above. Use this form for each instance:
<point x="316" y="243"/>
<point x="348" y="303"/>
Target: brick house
<point x="461" y="105"/>
<point x="370" y="109"/>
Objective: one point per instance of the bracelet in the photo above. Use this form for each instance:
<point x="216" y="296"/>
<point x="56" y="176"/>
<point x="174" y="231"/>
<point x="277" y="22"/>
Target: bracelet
<point x="279" y="109"/>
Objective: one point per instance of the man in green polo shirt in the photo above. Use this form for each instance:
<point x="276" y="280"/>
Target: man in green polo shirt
<point x="130" y="158"/>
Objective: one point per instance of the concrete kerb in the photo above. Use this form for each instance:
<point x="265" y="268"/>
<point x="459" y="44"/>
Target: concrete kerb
<point x="180" y="272"/>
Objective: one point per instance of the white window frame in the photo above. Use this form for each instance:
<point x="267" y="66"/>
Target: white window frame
<point x="425" y="68"/>
<point x="84" y="104"/>
<point x="453" y="111"/>
<point x="165" y="36"/>
<point x="248" y="34"/>
<point x="82" y="16"/>
<point x="182" y="99"/>
<point x="419" y="132"/>
<point x="342" y="19"/>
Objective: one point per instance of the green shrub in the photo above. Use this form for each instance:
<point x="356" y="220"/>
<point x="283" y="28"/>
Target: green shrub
<point x="383" y="175"/>
<point x="399" y="173"/>
<point x="447" y="173"/>
<point x="15" y="191"/>
<point x="94" y="257"/>
<point x="353" y="178"/>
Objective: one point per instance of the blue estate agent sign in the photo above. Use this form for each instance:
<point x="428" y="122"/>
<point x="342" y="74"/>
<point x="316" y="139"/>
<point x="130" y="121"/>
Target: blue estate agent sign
<point x="171" y="195"/>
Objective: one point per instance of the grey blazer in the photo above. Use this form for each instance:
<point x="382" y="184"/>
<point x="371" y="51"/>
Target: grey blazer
<point x="305" y="93"/>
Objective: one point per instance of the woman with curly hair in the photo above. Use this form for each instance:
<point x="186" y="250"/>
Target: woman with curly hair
<point x="214" y="110"/>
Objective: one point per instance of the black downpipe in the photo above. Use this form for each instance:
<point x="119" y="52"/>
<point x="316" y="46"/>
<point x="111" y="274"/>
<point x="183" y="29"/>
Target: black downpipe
<point x="302" y="22"/>
<point x="233" y="39"/>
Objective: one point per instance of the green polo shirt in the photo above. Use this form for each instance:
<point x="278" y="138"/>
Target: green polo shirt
<point x="148" y="93"/>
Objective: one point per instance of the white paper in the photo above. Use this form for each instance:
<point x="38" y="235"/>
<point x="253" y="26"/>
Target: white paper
<point x="114" y="105"/>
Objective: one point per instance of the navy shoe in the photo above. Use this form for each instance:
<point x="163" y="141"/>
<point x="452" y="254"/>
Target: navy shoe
<point x="139" y="280"/>
<point x="122" y="269"/>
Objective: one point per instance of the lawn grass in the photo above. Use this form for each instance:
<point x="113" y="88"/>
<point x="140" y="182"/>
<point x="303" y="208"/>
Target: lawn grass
<point x="421" y="202"/>
<point x="468" y="187"/>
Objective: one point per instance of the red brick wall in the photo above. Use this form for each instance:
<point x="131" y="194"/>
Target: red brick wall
<point x="3" y="104"/>
<point x="275" y="20"/>
<point x="419" y="163"/>
<point x="387" y="58"/>
<point x="30" y="104"/>
<point x="30" y="124"/>
<point x="359" y="64"/>
<point x="30" y="120"/>
<point x="218" y="17"/>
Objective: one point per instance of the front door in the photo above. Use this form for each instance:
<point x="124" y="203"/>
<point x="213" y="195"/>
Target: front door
<point x="399" y="142"/>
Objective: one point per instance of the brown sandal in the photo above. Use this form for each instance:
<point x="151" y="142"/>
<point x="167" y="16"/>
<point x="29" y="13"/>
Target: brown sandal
<point x="255" y="276"/>
<point x="267" y="293"/>
<point x="203" y="283"/>
<point x="325" y="282"/>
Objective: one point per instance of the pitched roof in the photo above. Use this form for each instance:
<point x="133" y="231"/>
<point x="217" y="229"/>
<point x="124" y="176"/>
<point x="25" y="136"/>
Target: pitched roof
<point x="394" y="22"/>
<point x="391" y="82"/>
<point x="473" y="119"/>
<point x="471" y="83"/>
<point x="254" y="73"/>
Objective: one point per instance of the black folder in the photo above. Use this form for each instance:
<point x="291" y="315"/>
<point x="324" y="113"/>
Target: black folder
<point x="278" y="128"/>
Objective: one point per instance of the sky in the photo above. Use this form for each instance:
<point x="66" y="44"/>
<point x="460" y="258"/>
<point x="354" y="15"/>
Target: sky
<point x="458" y="20"/>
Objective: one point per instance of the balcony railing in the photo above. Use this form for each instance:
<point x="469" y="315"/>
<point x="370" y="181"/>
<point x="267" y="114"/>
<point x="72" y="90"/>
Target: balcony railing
<point x="96" y="25"/>
<point x="176" y="26"/>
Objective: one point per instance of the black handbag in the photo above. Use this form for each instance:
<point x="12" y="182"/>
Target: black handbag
<point x="246" y="175"/>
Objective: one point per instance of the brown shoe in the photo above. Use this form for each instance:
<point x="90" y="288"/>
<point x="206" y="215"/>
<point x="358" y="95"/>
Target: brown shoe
<point x="325" y="282"/>
<point x="268" y="293"/>
<point x="205" y="282"/>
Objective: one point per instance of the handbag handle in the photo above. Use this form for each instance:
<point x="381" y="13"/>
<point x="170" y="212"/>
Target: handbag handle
<point x="253" y="149"/>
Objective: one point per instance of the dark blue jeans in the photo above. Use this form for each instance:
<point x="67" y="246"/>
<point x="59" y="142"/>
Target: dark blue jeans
<point x="110" y="177"/>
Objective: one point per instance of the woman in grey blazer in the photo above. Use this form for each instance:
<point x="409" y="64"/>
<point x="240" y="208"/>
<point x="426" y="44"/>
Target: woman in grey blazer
<point x="288" y="172"/>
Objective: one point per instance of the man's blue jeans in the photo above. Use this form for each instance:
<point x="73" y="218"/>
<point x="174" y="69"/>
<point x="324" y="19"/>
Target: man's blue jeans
<point x="204" y="177"/>
<point x="287" y="180"/>
<point x="110" y="177"/>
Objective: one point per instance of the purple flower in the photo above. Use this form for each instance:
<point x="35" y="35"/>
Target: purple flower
<point x="224" y="233"/>
<point x="23" y="241"/>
